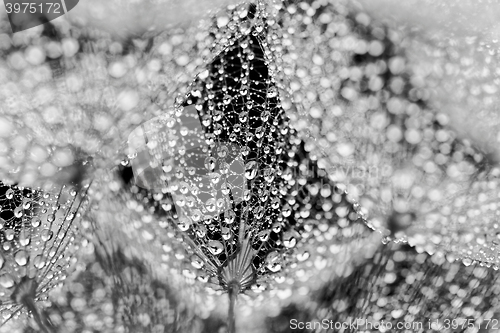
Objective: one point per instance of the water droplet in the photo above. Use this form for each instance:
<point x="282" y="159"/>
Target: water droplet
<point x="6" y="281"/>
<point x="184" y="188"/>
<point x="243" y="117"/>
<point x="227" y="99"/>
<point x="244" y="90"/>
<point x="220" y="203"/>
<point x="233" y="137"/>
<point x="39" y="262"/>
<point x="247" y="195"/>
<point x="203" y="278"/>
<point x="51" y="217"/>
<point x="206" y="120"/>
<point x="36" y="222"/>
<point x="467" y="261"/>
<point x="273" y="262"/>
<point x="258" y="288"/>
<point x="46" y="235"/>
<point x="251" y="169"/>
<point x="27" y="204"/>
<point x="269" y="175"/>
<point x="9" y="234"/>
<point x="52" y="253"/>
<point x="210" y="163"/>
<point x="222" y="151"/>
<point x="272" y="92"/>
<point x="226" y="233"/>
<point x="229" y="216"/>
<point x="211" y="205"/>
<point x="190" y="201"/>
<point x="215" y="247"/>
<point x="214" y="177"/>
<point x="259" y="211"/>
<point x="225" y="189"/>
<point x="21" y="258"/>
<point x="201" y="231"/>
<point x="217" y="115"/>
<point x="9" y="194"/>
<point x="265" y="116"/>
<point x="287" y="211"/>
<point x="24" y="238"/>
<point x="18" y="212"/>
<point x="263" y="235"/>
<point x="196" y="262"/>
<point x="289" y="239"/>
<point x="302" y="256"/>
<point x="184" y="131"/>
<point x="275" y="203"/>
<point x="183" y="224"/>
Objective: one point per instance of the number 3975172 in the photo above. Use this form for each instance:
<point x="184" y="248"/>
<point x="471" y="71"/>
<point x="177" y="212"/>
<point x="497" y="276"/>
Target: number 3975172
<point x="33" y="7"/>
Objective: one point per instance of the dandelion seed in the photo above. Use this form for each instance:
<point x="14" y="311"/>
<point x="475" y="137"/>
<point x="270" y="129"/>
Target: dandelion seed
<point x="28" y="241"/>
<point x="236" y="248"/>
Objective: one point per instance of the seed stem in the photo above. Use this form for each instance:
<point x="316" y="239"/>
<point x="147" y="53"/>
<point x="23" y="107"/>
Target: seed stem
<point x="233" y="291"/>
<point x="31" y="306"/>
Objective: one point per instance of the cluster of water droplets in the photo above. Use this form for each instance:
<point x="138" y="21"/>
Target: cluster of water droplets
<point x="372" y="117"/>
<point x="228" y="168"/>
<point x="228" y="179"/>
<point x="38" y="237"/>
<point x="428" y="293"/>
<point x="62" y="66"/>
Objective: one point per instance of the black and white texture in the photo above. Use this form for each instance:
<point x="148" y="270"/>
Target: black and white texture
<point x="294" y="155"/>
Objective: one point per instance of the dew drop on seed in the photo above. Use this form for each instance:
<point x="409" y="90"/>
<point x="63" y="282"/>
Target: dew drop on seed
<point x="215" y="247"/>
<point x="263" y="235"/>
<point x="210" y="163"/>
<point x="18" y="212"/>
<point x="24" y="238"/>
<point x="6" y="280"/>
<point x="9" y="234"/>
<point x="36" y="222"/>
<point x="251" y="170"/>
<point x="273" y="262"/>
<point x="196" y="262"/>
<point x="272" y="92"/>
<point x="39" y="262"/>
<point x="229" y="216"/>
<point x="46" y="235"/>
<point x="21" y="258"/>
<point x="302" y="256"/>
<point x="9" y="194"/>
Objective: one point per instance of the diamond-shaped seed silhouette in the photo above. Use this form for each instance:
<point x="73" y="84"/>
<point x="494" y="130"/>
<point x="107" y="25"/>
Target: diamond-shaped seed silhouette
<point x="231" y="123"/>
